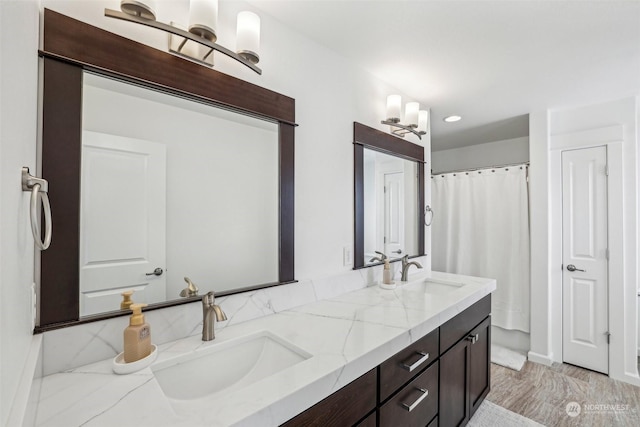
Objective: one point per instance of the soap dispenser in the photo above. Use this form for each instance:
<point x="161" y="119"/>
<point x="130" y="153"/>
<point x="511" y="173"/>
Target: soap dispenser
<point x="387" y="276"/>
<point x="126" y="300"/>
<point x="137" y="336"/>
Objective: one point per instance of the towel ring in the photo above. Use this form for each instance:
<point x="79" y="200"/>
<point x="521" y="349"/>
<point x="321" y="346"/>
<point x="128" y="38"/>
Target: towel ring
<point x="430" y="211"/>
<point x="38" y="188"/>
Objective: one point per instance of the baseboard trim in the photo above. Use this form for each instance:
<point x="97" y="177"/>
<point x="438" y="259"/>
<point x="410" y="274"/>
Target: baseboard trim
<point x="629" y="378"/>
<point x="543" y="359"/>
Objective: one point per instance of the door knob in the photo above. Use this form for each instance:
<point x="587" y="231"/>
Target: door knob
<point x="157" y="272"/>
<point x="399" y="251"/>
<point x="572" y="267"/>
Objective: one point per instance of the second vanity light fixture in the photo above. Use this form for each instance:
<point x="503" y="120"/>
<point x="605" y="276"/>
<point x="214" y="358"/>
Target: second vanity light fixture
<point x="416" y="121"/>
<point x="199" y="42"/>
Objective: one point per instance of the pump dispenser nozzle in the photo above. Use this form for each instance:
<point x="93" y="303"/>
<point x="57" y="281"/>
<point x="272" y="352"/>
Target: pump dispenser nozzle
<point x="137" y="318"/>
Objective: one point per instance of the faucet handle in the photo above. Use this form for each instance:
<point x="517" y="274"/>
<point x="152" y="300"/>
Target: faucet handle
<point x="191" y="289"/>
<point x="208" y="299"/>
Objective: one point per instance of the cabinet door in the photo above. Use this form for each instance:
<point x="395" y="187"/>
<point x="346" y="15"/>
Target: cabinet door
<point x="454" y="385"/>
<point x="479" y="369"/>
<point x="370" y="421"/>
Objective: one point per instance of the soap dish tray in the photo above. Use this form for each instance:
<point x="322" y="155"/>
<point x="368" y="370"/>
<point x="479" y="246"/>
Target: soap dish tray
<point x="389" y="286"/>
<point x="121" y="367"/>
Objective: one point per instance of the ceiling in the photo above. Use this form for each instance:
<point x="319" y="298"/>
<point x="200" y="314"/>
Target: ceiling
<point x="492" y="62"/>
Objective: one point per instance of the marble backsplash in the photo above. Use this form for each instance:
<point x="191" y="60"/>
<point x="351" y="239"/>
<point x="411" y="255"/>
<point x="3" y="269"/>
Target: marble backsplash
<point x="69" y="348"/>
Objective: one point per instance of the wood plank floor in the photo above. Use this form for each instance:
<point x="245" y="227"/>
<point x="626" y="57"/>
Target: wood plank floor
<point x="542" y="394"/>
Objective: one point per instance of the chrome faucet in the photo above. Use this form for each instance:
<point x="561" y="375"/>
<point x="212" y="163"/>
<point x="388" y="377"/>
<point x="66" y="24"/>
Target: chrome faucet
<point x="380" y="258"/>
<point x="191" y="290"/>
<point x="405" y="267"/>
<point x="210" y="310"/>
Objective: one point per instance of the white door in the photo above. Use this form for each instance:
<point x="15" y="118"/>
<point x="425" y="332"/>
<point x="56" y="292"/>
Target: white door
<point x="584" y="253"/>
<point x="394" y="214"/>
<point x="122" y="221"/>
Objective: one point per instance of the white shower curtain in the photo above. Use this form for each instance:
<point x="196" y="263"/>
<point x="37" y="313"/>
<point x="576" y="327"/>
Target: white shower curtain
<point x="481" y="228"/>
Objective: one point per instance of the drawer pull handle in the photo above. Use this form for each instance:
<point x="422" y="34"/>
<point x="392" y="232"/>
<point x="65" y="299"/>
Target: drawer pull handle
<point x="417" y="363"/>
<point x="472" y="338"/>
<point x="424" y="395"/>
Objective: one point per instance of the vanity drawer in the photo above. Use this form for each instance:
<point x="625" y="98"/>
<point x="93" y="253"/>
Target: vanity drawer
<point x="406" y="364"/>
<point x="345" y="407"/>
<point x="457" y="328"/>
<point x="416" y="404"/>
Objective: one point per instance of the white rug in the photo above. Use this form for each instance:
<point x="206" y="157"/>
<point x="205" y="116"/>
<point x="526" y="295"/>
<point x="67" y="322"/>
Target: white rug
<point x="508" y="358"/>
<point x="491" y="415"/>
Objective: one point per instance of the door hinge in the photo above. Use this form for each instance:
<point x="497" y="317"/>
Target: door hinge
<point x="608" y="334"/>
<point x="606" y="170"/>
<point x="561" y="267"/>
<point x="607" y="254"/>
<point x="385" y="189"/>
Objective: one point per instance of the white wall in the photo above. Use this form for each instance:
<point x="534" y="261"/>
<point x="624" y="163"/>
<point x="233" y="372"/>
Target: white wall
<point x="613" y="124"/>
<point x="539" y="225"/>
<point x="505" y="152"/>
<point x="18" y="102"/>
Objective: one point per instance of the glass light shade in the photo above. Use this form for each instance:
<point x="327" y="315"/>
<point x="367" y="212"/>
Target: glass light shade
<point x="423" y="120"/>
<point x="203" y="18"/>
<point x="394" y="107"/>
<point x="248" y="38"/>
<point x="411" y="114"/>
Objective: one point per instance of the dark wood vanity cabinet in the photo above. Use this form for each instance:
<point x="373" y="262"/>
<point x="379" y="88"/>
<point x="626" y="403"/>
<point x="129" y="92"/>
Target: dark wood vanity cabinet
<point x="465" y="366"/>
<point x="439" y="380"/>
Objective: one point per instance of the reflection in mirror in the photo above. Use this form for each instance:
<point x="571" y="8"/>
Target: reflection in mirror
<point x="386" y="222"/>
<point x="390" y="206"/>
<point x="171" y="188"/>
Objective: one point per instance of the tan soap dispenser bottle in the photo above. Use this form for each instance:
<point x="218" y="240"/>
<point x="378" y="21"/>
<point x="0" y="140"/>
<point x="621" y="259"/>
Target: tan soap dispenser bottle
<point x="137" y="336"/>
<point x="387" y="276"/>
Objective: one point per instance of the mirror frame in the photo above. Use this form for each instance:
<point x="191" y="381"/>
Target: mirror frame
<point x="71" y="47"/>
<point x="373" y="139"/>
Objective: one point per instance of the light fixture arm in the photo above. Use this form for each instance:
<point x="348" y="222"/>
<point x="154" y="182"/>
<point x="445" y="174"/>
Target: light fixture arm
<point x="181" y="33"/>
<point x="403" y="129"/>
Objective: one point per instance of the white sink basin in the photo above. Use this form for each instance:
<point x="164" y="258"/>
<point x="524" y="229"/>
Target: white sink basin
<point x="440" y="287"/>
<point x="227" y="366"/>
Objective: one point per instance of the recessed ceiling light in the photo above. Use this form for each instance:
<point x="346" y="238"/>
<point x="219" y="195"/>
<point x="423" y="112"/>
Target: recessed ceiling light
<point x="451" y="119"/>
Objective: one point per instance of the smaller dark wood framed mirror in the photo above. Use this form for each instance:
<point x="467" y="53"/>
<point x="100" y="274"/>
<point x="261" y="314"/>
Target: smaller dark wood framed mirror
<point x="389" y="197"/>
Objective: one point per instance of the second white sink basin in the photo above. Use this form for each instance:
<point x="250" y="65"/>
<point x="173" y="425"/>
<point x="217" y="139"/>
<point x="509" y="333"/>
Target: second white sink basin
<point x="226" y="366"/>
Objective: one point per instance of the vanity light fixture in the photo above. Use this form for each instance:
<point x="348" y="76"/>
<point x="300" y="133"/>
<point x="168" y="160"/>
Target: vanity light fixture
<point x="452" y="119"/>
<point x="417" y="121"/>
<point x="199" y="42"/>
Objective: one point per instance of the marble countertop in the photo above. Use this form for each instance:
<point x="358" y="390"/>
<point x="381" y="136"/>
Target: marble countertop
<point x="347" y="336"/>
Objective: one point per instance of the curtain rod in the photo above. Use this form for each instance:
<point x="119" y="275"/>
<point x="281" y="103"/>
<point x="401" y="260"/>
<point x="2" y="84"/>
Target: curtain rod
<point x="481" y="168"/>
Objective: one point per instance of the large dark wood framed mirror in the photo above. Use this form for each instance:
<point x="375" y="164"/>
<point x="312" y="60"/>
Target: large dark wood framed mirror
<point x="388" y="195"/>
<point x="93" y="185"/>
